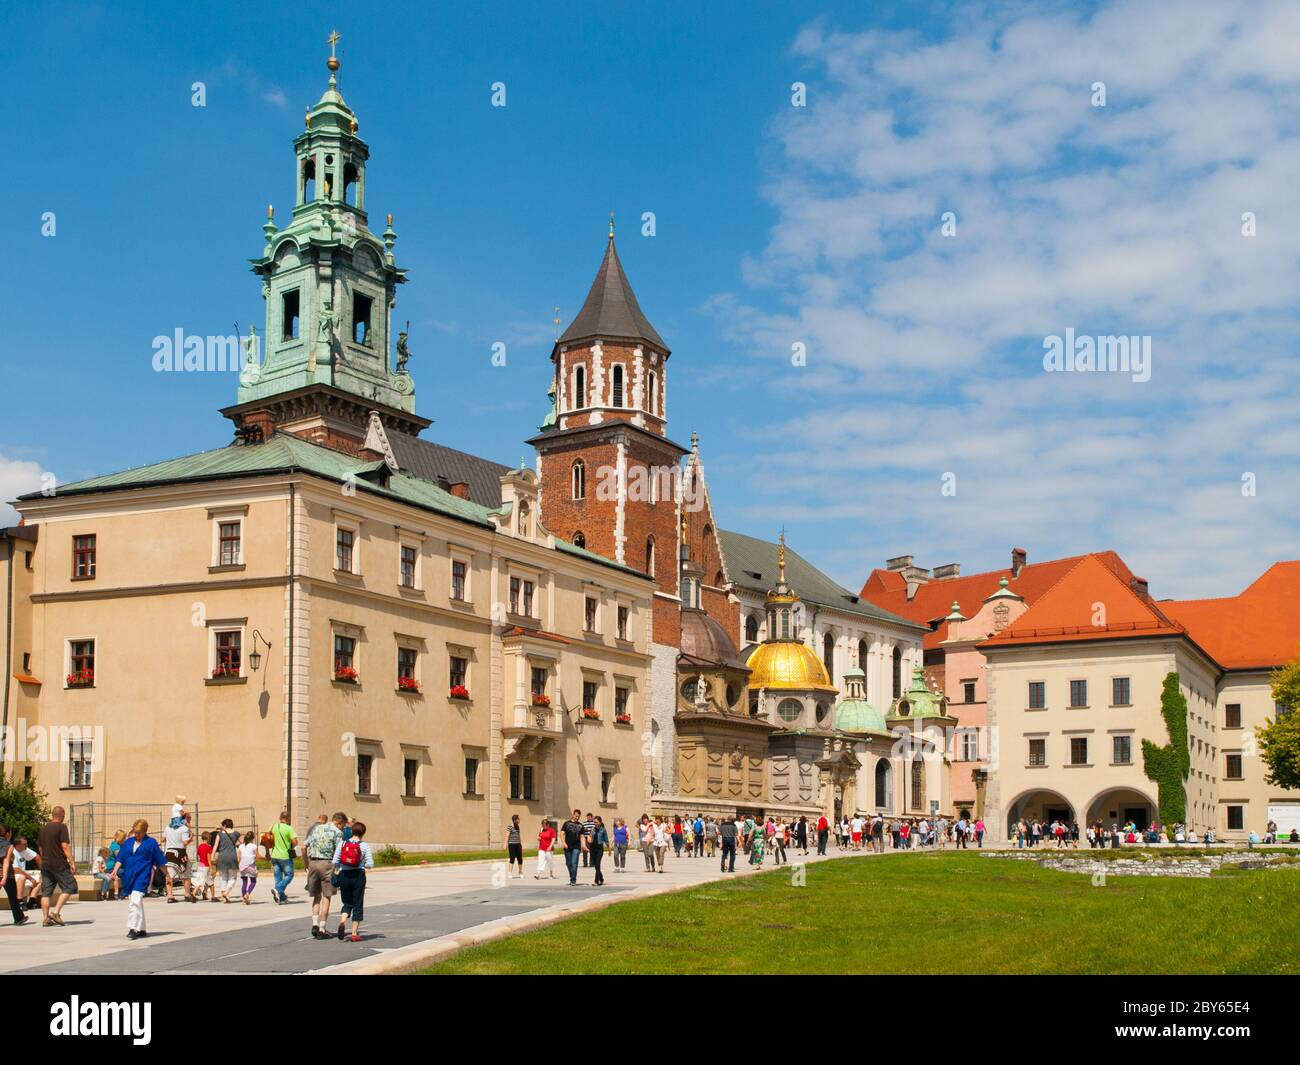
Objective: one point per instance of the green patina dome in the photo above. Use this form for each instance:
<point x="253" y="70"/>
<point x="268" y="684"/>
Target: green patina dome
<point x="918" y="700"/>
<point x="855" y="714"/>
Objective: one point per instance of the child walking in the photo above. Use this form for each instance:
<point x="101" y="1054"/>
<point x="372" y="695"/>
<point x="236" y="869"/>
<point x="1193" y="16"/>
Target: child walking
<point x="248" y="868"/>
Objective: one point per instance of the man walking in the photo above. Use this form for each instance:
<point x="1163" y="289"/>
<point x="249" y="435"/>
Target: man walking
<point x="8" y="847"/>
<point x="176" y="842"/>
<point x="727" y="835"/>
<point x="283" y="840"/>
<point x="823" y="833"/>
<point x="698" y="829"/>
<point x="318" y="857"/>
<point x="58" y="870"/>
<point x="588" y="830"/>
<point x="574" y="834"/>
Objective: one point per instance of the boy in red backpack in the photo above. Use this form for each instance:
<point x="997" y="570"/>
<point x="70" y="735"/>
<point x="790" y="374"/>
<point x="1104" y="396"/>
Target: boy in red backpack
<point x="351" y="860"/>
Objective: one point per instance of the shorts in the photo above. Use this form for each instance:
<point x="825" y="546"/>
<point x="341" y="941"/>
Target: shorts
<point x="201" y="876"/>
<point x="178" y="861"/>
<point x="516" y="852"/>
<point x="63" y="878"/>
<point x="320" y="872"/>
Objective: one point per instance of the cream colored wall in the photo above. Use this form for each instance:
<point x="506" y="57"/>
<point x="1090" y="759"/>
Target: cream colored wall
<point x="1146" y="663"/>
<point x="1252" y="691"/>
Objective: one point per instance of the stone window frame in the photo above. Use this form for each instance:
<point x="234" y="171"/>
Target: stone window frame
<point x="350" y="523"/>
<point x="217" y="517"/>
<point x="374" y="750"/>
<point x="215" y="626"/>
<point x="67" y="657"/>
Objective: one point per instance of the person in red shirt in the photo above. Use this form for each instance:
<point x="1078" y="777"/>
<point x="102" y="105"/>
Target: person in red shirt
<point x="545" y="841"/>
<point x="202" y="876"/>
<point x="823" y="833"/>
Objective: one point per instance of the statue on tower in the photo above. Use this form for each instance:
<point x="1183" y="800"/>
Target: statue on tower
<point x="403" y="352"/>
<point x="325" y="326"/>
<point x="251" y="372"/>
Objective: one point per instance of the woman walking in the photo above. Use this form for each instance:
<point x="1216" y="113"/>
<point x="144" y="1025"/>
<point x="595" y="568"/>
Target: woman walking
<point x="351" y="860"/>
<point x="248" y="868"/>
<point x="226" y="858"/>
<point x="677" y="837"/>
<point x="620" y="845"/>
<point x="648" y="843"/>
<point x="662" y="839"/>
<point x="599" y="841"/>
<point x="138" y="857"/>
<point x="778" y="842"/>
<point x="545" y="841"/>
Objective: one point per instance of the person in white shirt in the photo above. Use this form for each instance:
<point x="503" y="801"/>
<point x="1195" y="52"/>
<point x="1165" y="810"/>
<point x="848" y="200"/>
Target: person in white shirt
<point x="176" y="841"/>
<point x="248" y="868"/>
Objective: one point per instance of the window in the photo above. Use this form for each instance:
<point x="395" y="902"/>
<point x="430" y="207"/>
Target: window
<point x="366" y="782"/>
<point x="650" y="556"/>
<point x="1119" y="691"/>
<point x="471" y="776"/>
<point x="1078" y="750"/>
<point x="81" y="664"/>
<point x="579" y="387"/>
<point x="898" y="672"/>
<point x="623" y="615"/>
<point x="406" y="660"/>
<point x="226" y="660"/>
<point x="968" y="690"/>
<point x="345" y="653"/>
<point x="79" y="763"/>
<point x="579" y="473"/>
<point x="751" y="629"/>
<point x="344" y="541"/>
<point x="410" y="777"/>
<point x="515" y="584"/>
<point x="785" y="624"/>
<point x="407" y="575"/>
<point x="538" y="680"/>
<point x="457" y="672"/>
<point x="521" y="597"/>
<point x="620" y="702"/>
<point x="862" y="652"/>
<point x="83" y="557"/>
<point x="1078" y="694"/>
<point x="828" y="655"/>
<point x="229" y="543"/>
<point x="617" y="391"/>
<point x="589" y="614"/>
<point x="361" y="306"/>
<point x="1232" y="715"/>
<point x="606" y="785"/>
<point x="1232" y="767"/>
<point x="1037" y="695"/>
<point x="589" y="691"/>
<point x="789" y="710"/>
<point x="918" y="782"/>
<point x="652" y="393"/>
<point x="289" y="315"/>
<point x="1122" y="750"/>
<point x="527" y="601"/>
<point x="1236" y="818"/>
<point x="459" y="571"/>
<point x="970" y="745"/>
<point x="521" y="783"/>
<point x="579" y="539"/>
<point x="1038" y="752"/>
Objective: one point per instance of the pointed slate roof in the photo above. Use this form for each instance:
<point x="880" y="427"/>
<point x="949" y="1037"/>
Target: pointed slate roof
<point x="611" y="311"/>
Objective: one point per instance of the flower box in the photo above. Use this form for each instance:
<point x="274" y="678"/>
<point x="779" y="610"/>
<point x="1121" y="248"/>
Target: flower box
<point x="84" y="678"/>
<point x="458" y="691"/>
<point x="541" y="699"/>
<point x="346" y="675"/>
<point x="408" y="684"/>
<point x="591" y="713"/>
<point x="623" y="719"/>
<point x="225" y="672"/>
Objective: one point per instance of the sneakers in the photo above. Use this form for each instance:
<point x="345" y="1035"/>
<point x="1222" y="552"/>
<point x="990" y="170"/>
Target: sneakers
<point x="133" y="934"/>
<point x="356" y="938"/>
<point x="343" y="931"/>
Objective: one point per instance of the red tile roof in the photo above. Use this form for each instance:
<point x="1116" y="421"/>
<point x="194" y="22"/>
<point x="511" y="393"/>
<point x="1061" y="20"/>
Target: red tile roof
<point x="1258" y="629"/>
<point x="1089" y="602"/>
<point x="933" y="600"/>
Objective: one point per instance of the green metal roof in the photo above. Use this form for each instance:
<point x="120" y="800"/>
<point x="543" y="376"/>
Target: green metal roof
<point x="858" y="715"/>
<point x="747" y="556"/>
<point x="283" y="453"/>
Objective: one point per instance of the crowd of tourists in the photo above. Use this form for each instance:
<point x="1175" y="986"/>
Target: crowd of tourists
<point x="222" y="868"/>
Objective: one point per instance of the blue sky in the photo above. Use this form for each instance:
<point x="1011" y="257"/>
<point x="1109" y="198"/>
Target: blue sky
<point x="776" y="225"/>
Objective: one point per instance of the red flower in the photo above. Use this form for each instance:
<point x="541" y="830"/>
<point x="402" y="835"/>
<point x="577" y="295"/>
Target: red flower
<point x="591" y="713"/>
<point x="459" y="691"/>
<point x="346" y="673"/>
<point x="408" y="684"/>
<point x="624" y="719"/>
<point x="541" y="699"/>
<point x="82" y="678"/>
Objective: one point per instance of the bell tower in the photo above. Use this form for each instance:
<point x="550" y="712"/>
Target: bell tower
<point x="330" y="286"/>
<point x="610" y="476"/>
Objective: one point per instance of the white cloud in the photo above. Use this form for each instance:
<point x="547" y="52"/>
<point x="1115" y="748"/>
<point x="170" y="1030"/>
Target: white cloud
<point x="17" y="477"/>
<point x="925" y="352"/>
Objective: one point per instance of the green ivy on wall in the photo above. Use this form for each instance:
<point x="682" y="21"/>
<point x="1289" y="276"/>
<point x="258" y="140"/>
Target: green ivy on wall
<point x="1171" y="764"/>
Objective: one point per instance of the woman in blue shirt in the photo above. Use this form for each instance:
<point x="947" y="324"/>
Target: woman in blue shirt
<point x="138" y="857"/>
<point x="620" y="845"/>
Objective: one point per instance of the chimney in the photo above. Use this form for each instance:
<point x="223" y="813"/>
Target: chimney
<point x="944" y="573"/>
<point x="915" y="577"/>
<point x="1139" y="585"/>
<point x="1019" y="556"/>
<point x="460" y="489"/>
<point x="897" y="565"/>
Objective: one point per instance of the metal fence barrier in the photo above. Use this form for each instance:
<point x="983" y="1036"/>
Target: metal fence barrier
<point x="92" y="824"/>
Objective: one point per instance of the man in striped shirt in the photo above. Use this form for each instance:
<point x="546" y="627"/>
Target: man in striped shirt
<point x="588" y="830"/>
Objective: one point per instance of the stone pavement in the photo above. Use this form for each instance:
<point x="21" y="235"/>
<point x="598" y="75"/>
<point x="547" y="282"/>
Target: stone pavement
<point x="414" y="914"/>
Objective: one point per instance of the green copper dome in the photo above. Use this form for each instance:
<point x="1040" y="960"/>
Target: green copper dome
<point x="918" y="700"/>
<point x="853" y="713"/>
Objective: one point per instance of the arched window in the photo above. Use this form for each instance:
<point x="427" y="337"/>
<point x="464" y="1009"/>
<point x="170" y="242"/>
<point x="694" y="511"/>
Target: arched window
<point x="828" y="655"/>
<point x="884" y="800"/>
<point x="823" y="712"/>
<point x="616" y="397"/>
<point x="785" y="624"/>
<point x="719" y="579"/>
<point x="650" y="556"/>
<point x="579" y="388"/>
<point x="579" y="539"/>
<point x="523" y="519"/>
<point x="579" y="479"/>
<point x="308" y="180"/>
<point x="751" y="629"/>
<point x="349" y="183"/>
<point x="789" y="710"/>
<point x="862" y="655"/>
<point x="918" y="782"/>
<point x="653" y="397"/>
<point x="898" y="672"/>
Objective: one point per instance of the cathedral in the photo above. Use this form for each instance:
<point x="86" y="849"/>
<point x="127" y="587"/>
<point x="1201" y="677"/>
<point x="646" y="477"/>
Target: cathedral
<point x="346" y="615"/>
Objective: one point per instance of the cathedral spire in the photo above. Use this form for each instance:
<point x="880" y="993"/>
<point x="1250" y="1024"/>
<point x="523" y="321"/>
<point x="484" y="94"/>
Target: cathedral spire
<point x="611" y="310"/>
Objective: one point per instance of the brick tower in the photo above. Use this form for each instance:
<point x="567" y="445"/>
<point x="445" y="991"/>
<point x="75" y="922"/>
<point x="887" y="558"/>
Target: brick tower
<point x="610" y="477"/>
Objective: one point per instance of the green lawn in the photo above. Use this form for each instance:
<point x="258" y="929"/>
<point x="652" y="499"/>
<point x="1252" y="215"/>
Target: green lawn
<point x="924" y="913"/>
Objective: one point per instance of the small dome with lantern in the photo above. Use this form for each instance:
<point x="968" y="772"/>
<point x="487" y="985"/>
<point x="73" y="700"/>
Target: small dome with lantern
<point x="783" y="661"/>
<point x="854" y="713"/>
<point x="919" y="700"/>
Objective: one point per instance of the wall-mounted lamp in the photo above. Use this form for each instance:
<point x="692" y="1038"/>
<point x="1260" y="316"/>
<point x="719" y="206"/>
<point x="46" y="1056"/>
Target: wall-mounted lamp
<point x="255" y="656"/>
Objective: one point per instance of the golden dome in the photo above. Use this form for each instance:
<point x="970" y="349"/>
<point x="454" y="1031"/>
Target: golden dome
<point x="789" y="665"/>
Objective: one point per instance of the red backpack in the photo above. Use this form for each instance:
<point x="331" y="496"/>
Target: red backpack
<point x="351" y="854"/>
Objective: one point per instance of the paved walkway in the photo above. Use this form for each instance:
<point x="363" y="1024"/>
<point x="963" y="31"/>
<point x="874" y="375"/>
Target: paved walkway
<point x="410" y="911"/>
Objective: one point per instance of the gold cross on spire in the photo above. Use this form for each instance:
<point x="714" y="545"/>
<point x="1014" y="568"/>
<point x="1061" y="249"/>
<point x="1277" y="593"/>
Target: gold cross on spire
<point x="332" y="40"/>
<point x="781" y="559"/>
